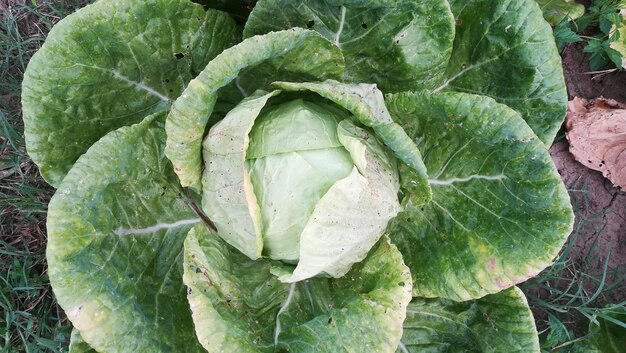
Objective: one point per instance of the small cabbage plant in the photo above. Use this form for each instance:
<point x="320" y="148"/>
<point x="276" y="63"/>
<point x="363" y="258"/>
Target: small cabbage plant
<point x="334" y="176"/>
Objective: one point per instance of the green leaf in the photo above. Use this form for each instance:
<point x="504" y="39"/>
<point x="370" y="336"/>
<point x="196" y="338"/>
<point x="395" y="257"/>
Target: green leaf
<point x="563" y="35"/>
<point x="610" y="325"/>
<point x="599" y="53"/>
<point x="499" y="212"/>
<point x="111" y="64"/>
<point x="399" y="45"/>
<point x="367" y="104"/>
<point x="557" y="11"/>
<point x="580" y="347"/>
<point x="227" y="195"/>
<point x="78" y="345"/>
<point x="608" y="20"/>
<point x="239" y="306"/>
<point x="614" y="56"/>
<point x="116" y="228"/>
<point x="497" y="323"/>
<point x="505" y="50"/>
<point x="250" y="65"/>
<point x="598" y="61"/>
<point x="618" y="42"/>
<point x="557" y="335"/>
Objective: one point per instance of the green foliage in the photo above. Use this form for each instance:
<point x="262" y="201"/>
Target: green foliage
<point x="602" y="54"/>
<point x="609" y="325"/>
<point x="557" y="11"/>
<point x="31" y="320"/>
<point x="557" y="334"/>
<point x="603" y="13"/>
<point x="34" y="323"/>
<point x="563" y="35"/>
<point x="138" y="110"/>
<point x="482" y="325"/>
<point x="602" y="18"/>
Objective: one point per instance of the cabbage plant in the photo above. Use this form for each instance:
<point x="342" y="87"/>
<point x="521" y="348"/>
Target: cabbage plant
<point x="339" y="176"/>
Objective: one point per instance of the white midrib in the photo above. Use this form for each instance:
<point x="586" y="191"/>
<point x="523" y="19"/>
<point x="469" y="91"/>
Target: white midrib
<point x="240" y="88"/>
<point x="474" y="66"/>
<point x="278" y="329"/>
<point x="462" y="72"/>
<point x="141" y="86"/>
<point x="138" y="85"/>
<point x="466" y="179"/>
<point x="156" y="227"/>
<point x="341" y="23"/>
<point x="402" y="347"/>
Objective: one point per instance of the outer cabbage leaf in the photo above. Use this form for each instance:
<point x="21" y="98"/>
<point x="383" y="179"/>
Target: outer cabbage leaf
<point x="556" y="11"/>
<point x="399" y="45"/>
<point x="251" y="65"/>
<point x="497" y="323"/>
<point x="367" y="104"/>
<point x="78" y="345"/>
<point x="238" y="306"/>
<point x="116" y="229"/>
<point x="499" y="212"/>
<point x="227" y="194"/>
<point x="504" y="49"/>
<point x="111" y="64"/>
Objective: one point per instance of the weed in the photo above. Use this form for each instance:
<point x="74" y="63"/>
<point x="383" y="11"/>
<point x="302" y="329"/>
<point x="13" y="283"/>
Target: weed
<point x="596" y="27"/>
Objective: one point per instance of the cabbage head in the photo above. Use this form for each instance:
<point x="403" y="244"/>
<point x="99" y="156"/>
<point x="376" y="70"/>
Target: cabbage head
<point x="334" y="176"/>
<point x="319" y="190"/>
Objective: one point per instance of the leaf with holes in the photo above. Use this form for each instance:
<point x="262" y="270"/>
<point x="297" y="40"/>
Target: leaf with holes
<point x="503" y="49"/>
<point x="510" y="56"/>
<point x="399" y="45"/>
<point x="112" y="64"/>
<point x="499" y="212"/>
<point x="499" y="322"/>
<point x="116" y="228"/>
<point x="239" y="306"/>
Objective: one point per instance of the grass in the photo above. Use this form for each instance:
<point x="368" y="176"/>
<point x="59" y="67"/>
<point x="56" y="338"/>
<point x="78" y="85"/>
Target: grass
<point x="30" y="319"/>
<point x="564" y="297"/>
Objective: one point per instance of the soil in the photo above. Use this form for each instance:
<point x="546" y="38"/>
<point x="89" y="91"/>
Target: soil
<point x="600" y="228"/>
<point x="600" y="208"/>
<point x="581" y="82"/>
